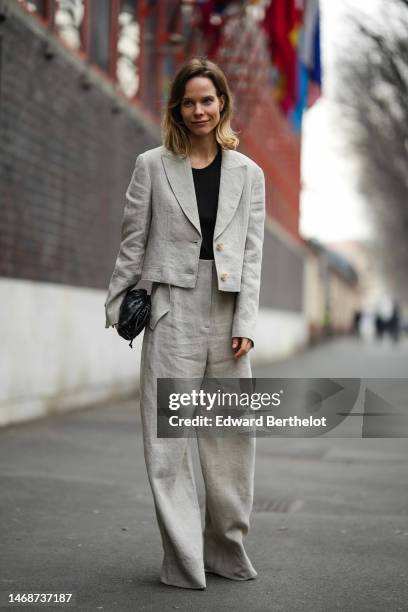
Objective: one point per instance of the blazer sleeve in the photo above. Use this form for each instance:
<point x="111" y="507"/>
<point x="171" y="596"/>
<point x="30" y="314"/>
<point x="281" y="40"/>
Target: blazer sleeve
<point x="247" y="301"/>
<point x="134" y="233"/>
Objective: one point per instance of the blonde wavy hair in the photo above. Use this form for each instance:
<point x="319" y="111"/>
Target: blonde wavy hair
<point x="175" y="134"/>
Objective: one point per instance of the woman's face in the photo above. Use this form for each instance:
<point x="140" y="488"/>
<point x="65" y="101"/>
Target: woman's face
<point x="200" y="106"/>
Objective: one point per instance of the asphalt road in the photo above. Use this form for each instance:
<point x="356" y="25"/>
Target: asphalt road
<point x="329" y="528"/>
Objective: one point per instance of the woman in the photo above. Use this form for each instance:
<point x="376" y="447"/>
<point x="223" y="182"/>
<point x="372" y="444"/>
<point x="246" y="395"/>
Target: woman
<point x="194" y="224"/>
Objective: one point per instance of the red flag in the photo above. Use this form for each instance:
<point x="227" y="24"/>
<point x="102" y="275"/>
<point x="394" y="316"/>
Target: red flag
<point x="282" y="23"/>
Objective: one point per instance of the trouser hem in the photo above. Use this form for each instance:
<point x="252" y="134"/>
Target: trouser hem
<point x="183" y="586"/>
<point x="238" y="578"/>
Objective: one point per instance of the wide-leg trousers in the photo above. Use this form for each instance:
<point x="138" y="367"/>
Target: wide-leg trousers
<point x="189" y="336"/>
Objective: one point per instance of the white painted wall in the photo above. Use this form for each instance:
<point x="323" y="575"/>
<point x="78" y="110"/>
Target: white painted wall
<point x="279" y="333"/>
<point x="56" y="354"/>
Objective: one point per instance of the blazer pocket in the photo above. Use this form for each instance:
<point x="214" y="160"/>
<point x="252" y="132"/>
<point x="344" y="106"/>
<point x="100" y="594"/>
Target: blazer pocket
<point x="160" y="300"/>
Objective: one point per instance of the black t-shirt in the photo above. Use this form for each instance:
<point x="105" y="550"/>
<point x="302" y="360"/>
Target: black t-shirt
<point x="207" y="186"/>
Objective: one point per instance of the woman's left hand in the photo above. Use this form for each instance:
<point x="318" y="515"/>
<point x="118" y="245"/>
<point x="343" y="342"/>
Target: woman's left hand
<point x="241" y="346"/>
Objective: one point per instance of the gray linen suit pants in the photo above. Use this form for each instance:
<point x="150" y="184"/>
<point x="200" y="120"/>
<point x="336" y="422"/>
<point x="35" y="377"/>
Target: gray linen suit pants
<point x="192" y="339"/>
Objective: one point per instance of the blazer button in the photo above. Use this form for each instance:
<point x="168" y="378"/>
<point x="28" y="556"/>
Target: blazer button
<point x="219" y="246"/>
<point x="223" y="276"/>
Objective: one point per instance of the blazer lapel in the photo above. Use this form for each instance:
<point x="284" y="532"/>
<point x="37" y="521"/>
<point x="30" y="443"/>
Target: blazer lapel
<point x="180" y="177"/>
<point x="233" y="173"/>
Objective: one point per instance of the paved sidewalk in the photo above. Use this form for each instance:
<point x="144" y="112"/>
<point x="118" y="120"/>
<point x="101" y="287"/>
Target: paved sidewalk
<point x="329" y="527"/>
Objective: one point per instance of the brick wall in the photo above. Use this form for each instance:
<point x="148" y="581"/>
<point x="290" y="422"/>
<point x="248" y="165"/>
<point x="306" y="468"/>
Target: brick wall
<point x="66" y="158"/>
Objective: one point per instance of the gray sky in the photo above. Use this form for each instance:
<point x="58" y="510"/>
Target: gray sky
<point x="331" y="207"/>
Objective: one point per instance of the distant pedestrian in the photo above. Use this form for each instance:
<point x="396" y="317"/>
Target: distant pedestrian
<point x="379" y="326"/>
<point x="357" y="322"/>
<point x="395" y="322"/>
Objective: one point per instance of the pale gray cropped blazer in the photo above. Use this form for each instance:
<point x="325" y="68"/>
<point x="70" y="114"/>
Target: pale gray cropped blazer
<point x="161" y="234"/>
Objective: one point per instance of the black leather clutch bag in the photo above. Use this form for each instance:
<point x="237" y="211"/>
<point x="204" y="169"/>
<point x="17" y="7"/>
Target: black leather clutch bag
<point x="134" y="314"/>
